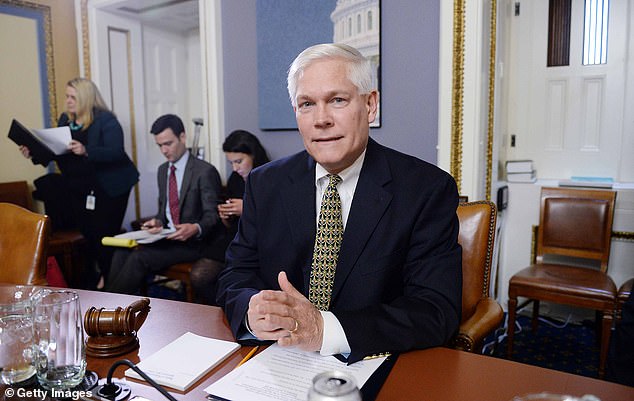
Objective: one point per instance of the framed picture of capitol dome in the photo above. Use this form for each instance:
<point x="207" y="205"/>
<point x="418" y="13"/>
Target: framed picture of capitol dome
<point x="286" y="27"/>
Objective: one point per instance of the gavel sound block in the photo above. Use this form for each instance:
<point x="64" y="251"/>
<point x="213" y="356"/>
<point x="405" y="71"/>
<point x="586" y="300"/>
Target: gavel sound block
<point x="113" y="332"/>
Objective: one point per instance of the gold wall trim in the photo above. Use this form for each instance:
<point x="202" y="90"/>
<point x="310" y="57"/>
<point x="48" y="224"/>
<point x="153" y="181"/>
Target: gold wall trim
<point x="85" y="38"/>
<point x="625" y="235"/>
<point x="491" y="106"/>
<point x="457" y="98"/>
<point x="45" y="11"/>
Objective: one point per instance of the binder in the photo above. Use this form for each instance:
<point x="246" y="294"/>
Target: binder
<point x="44" y="144"/>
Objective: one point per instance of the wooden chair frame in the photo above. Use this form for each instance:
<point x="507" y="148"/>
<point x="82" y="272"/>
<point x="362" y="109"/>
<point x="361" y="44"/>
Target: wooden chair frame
<point x="568" y="284"/>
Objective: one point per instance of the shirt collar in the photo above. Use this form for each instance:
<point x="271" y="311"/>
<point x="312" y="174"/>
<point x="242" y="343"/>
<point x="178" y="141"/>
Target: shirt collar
<point x="182" y="162"/>
<point x="349" y="172"/>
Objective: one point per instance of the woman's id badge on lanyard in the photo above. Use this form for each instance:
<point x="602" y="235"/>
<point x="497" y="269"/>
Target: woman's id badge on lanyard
<point x="90" y="201"/>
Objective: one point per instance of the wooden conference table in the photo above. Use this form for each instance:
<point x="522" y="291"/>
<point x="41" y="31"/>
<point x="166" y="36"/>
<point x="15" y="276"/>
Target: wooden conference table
<point x="438" y="374"/>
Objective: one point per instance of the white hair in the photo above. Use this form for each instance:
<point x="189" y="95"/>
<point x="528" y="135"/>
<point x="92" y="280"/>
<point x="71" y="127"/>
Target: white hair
<point x="359" y="68"/>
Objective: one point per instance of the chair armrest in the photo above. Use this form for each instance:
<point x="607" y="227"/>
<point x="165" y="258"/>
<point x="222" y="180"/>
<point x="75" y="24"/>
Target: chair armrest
<point x="486" y="318"/>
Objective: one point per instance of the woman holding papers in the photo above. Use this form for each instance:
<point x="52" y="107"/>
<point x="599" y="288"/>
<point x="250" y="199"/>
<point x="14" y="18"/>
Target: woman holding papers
<point x="97" y="174"/>
<point x="245" y="152"/>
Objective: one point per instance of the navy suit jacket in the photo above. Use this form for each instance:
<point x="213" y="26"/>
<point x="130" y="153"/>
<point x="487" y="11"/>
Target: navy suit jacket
<point x="198" y="197"/>
<point x="106" y="158"/>
<point x="398" y="283"/>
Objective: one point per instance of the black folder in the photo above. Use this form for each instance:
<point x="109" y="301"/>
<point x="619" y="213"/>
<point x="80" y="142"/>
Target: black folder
<point x="40" y="153"/>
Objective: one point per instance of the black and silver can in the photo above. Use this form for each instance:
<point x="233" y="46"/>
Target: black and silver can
<point x="334" y="386"/>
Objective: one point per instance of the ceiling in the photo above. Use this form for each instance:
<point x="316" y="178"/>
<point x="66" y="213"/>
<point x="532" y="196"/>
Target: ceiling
<point x="173" y="15"/>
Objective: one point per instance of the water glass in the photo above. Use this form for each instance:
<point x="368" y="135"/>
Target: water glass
<point x="16" y="333"/>
<point x="60" y="352"/>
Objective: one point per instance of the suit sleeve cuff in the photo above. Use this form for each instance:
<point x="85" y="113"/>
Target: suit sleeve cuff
<point x="334" y="340"/>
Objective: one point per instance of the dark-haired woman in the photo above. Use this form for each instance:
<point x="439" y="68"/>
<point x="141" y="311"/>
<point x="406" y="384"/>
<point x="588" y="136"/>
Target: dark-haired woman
<point x="244" y="152"/>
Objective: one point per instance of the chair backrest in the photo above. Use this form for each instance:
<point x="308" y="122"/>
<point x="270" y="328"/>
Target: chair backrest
<point x="16" y="192"/>
<point x="576" y="223"/>
<point x="23" y="244"/>
<point x="476" y="236"/>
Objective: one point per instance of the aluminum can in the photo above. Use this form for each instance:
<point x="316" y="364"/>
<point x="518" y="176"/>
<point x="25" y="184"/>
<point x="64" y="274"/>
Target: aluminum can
<point x="334" y="386"/>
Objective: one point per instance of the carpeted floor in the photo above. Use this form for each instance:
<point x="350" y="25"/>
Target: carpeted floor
<point x="572" y="348"/>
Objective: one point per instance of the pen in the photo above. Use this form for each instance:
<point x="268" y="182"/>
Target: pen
<point x="249" y="355"/>
<point x="379" y="355"/>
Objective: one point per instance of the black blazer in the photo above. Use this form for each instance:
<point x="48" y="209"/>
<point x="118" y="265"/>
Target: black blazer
<point x="107" y="160"/>
<point x="398" y="284"/>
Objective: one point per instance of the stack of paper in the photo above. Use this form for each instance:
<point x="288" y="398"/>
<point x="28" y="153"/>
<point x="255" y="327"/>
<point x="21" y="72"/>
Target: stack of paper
<point x="279" y="373"/>
<point x="185" y="360"/>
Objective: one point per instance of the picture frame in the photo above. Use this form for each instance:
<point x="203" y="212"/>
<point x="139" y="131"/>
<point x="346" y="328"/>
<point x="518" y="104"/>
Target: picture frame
<point x="286" y="27"/>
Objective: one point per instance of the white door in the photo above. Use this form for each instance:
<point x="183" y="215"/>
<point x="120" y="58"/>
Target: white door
<point x="568" y="120"/>
<point x="117" y="69"/>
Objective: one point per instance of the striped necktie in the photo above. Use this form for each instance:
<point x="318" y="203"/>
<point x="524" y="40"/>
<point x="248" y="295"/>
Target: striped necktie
<point x="173" y="196"/>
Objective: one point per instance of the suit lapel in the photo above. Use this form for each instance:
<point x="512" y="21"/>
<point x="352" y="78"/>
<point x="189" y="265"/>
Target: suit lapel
<point x="297" y="196"/>
<point x="187" y="179"/>
<point x="370" y="202"/>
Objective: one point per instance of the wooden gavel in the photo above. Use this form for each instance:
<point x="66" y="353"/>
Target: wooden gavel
<point x="113" y="332"/>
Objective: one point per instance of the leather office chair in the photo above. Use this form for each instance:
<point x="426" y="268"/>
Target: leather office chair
<point x="66" y="244"/>
<point x="573" y="223"/>
<point x="23" y="245"/>
<point x="481" y="314"/>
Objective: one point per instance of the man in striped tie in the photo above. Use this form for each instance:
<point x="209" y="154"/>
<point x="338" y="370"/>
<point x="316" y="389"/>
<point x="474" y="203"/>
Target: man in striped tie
<point x="189" y="190"/>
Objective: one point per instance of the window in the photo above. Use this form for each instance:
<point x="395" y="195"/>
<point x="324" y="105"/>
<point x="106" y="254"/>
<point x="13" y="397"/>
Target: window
<point x="349" y="26"/>
<point x="595" y="32"/>
<point x="559" y="32"/>
<point x="358" y="23"/>
<point x="369" y="20"/>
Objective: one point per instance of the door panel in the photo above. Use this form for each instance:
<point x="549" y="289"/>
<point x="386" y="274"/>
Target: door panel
<point x="569" y="119"/>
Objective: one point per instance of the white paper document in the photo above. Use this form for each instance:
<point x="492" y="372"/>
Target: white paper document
<point x="284" y="374"/>
<point x="185" y="360"/>
<point x="144" y="237"/>
<point x="57" y="139"/>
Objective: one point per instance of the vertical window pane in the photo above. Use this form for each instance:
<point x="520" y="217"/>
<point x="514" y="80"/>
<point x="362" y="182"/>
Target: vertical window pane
<point x="369" y="20"/>
<point x="358" y="23"/>
<point x="559" y="14"/>
<point x="595" y="32"/>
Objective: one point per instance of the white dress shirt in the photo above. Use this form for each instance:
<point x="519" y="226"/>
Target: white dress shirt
<point x="335" y="340"/>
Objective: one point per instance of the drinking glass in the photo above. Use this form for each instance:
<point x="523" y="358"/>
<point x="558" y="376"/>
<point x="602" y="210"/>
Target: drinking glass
<point x="16" y="333"/>
<point x="60" y="352"/>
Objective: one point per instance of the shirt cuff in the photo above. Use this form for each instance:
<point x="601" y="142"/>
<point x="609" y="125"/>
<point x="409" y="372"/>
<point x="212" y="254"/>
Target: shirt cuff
<point x="246" y="324"/>
<point x="335" y="340"/>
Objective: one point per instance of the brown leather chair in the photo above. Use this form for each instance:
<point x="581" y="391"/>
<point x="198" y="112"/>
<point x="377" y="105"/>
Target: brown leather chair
<point x="67" y="245"/>
<point x="481" y="314"/>
<point x="23" y="244"/>
<point x="573" y="223"/>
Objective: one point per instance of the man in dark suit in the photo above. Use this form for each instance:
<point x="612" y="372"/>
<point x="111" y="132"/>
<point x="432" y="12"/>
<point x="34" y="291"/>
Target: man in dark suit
<point x="189" y="191"/>
<point x="397" y="266"/>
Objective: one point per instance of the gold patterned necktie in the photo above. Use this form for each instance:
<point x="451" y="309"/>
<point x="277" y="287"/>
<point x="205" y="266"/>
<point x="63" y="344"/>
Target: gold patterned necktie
<point x="327" y="244"/>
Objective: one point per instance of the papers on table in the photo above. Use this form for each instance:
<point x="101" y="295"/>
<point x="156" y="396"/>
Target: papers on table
<point x="144" y="237"/>
<point x="185" y="360"/>
<point x="279" y="373"/>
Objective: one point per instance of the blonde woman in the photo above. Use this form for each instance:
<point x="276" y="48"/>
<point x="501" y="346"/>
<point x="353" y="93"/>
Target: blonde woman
<point x="96" y="174"/>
